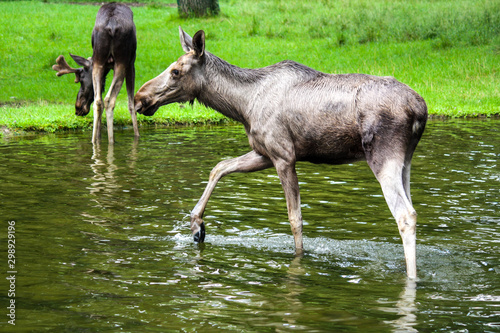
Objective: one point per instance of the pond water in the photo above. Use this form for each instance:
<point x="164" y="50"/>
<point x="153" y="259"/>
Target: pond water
<point x="103" y="243"/>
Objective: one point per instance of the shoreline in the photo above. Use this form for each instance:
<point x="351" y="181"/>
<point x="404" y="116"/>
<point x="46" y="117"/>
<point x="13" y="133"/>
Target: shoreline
<point x="10" y="132"/>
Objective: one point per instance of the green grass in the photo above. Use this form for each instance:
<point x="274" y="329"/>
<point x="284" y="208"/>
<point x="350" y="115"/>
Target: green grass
<point x="448" y="51"/>
<point x="45" y="117"/>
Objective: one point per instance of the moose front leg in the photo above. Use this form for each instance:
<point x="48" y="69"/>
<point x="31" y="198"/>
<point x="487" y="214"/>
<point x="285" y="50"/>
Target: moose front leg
<point x="290" y="183"/>
<point x="249" y="162"/>
<point x="96" y="131"/>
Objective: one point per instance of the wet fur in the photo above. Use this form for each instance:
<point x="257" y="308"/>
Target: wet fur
<point x="294" y="113"/>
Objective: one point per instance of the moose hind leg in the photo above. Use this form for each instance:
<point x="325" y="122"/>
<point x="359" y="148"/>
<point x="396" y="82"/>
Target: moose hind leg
<point x="97" y="73"/>
<point x="130" y="82"/>
<point x="392" y="177"/>
<point x="406" y="174"/>
<point x="110" y="99"/>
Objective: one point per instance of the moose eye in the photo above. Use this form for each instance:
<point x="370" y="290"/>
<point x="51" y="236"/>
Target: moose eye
<point x="175" y="72"/>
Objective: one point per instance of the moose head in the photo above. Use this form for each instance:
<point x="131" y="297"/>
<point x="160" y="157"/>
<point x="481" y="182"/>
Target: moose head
<point x="83" y="75"/>
<point x="180" y="82"/>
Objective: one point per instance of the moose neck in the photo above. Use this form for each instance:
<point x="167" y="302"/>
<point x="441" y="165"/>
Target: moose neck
<point x="228" y="88"/>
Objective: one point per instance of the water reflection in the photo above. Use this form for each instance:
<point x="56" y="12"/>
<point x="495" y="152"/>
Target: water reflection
<point x="104" y="241"/>
<point x="294" y="288"/>
<point x="104" y="168"/>
<point x="405" y="308"/>
<point x="104" y="179"/>
<point x="107" y="184"/>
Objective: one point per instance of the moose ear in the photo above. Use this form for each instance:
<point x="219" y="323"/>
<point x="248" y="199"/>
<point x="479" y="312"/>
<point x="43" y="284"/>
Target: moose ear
<point x="199" y="43"/>
<point x="186" y="41"/>
<point x="81" y="60"/>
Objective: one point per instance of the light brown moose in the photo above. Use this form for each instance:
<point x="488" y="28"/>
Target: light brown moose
<point x="294" y="113"/>
<point x="114" y="47"/>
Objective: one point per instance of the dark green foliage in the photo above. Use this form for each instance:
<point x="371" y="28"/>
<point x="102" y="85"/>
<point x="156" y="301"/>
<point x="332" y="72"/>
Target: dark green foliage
<point x="198" y="8"/>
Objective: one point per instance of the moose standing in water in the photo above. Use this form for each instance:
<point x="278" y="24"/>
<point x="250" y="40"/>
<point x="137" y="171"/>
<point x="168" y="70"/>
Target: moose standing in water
<point x="294" y="113"/>
<point x="114" y="45"/>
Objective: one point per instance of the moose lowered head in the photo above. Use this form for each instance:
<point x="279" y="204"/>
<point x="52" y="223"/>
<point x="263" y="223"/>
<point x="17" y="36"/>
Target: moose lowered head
<point x="294" y="113"/>
<point x="83" y="75"/>
<point x="114" y="45"/>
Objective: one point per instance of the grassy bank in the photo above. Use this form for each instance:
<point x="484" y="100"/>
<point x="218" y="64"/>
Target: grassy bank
<point x="447" y="51"/>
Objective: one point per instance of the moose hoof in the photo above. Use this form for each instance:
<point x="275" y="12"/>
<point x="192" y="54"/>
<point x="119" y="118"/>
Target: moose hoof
<point x="199" y="237"/>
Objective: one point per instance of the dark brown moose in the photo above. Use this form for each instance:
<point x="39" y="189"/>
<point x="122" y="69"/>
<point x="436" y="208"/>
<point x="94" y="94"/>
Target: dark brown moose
<point x="294" y="113"/>
<point x="114" y="47"/>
